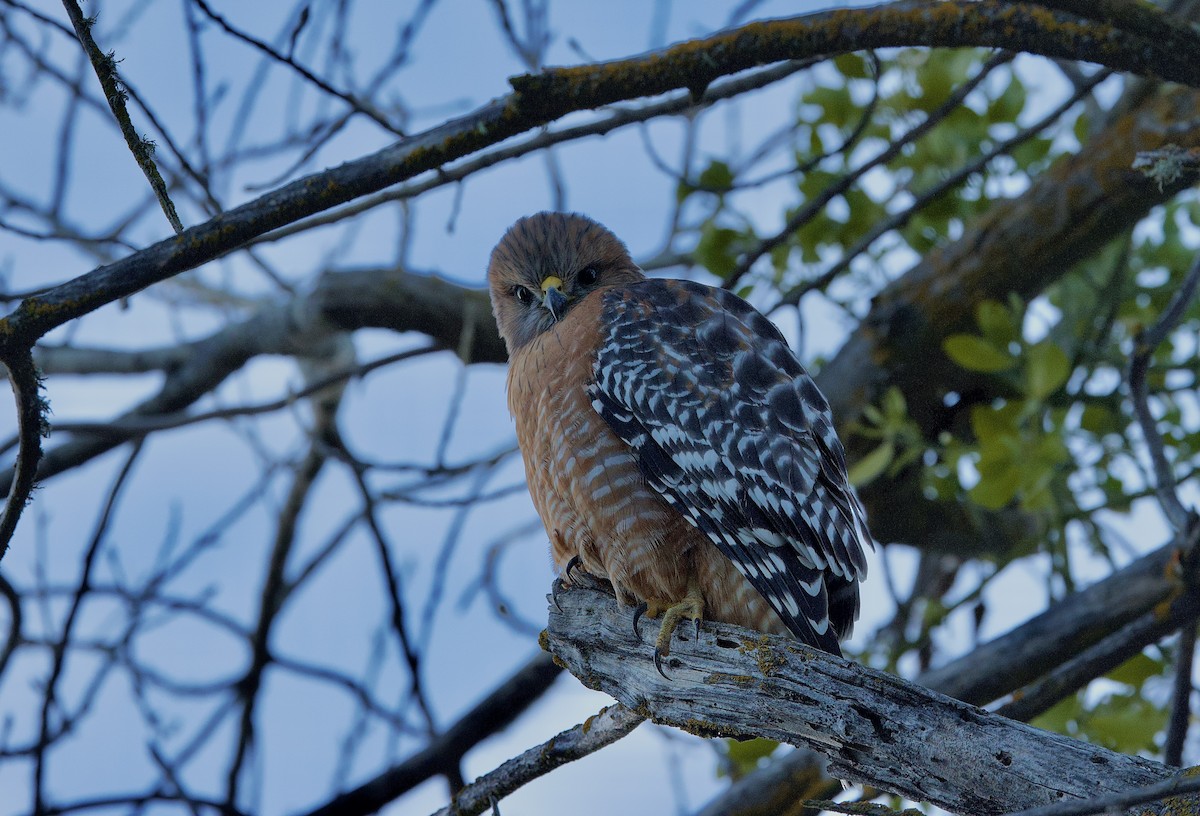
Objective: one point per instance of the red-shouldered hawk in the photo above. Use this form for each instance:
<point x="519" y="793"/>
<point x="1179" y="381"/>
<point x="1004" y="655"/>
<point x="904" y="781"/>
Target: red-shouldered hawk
<point x="673" y="444"/>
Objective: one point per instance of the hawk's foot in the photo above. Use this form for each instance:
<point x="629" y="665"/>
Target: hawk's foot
<point x="691" y="606"/>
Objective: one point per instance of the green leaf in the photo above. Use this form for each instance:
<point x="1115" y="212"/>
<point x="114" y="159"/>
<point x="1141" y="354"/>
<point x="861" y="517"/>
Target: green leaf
<point x="1032" y="151"/>
<point x="716" y="178"/>
<point x="1136" y="670"/>
<point x="998" y="484"/>
<point x="682" y="190"/>
<point x="852" y="66"/>
<point x="894" y="404"/>
<point x="1009" y="104"/>
<point x="868" y="468"/>
<point x="991" y="424"/>
<point x="1046" y="369"/>
<point x="976" y="354"/>
<point x="996" y="323"/>
<point x="715" y="250"/>
<point x="836" y="103"/>
<point x="1126" y="723"/>
<point x="1061" y="716"/>
<point x="779" y="259"/>
<point x="1098" y="420"/>
<point x="1081" y="127"/>
<point x="743" y="756"/>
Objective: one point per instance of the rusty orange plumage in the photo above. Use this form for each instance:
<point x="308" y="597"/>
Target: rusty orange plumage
<point x="672" y="442"/>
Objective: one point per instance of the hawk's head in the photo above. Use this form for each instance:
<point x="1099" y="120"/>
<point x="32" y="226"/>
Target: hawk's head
<point x="547" y="263"/>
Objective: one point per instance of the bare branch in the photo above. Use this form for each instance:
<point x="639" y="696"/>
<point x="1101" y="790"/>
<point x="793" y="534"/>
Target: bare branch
<point x="1181" y="697"/>
<point x="1140" y="604"/>
<point x="141" y="426"/>
<point x="1117" y="802"/>
<point x="50" y="700"/>
<point x="490" y="716"/>
<point x="872" y="727"/>
<point x="31" y="427"/>
<point x="1133" y="17"/>
<point x="359" y="105"/>
<point x="106" y="71"/>
<point x="14" y="624"/>
<point x="542" y="98"/>
<point x="682" y="104"/>
<point x="275" y="591"/>
<point x="1164" y="477"/>
<point x="603" y="729"/>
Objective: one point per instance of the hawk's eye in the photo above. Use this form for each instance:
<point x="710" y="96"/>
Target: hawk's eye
<point x="588" y="275"/>
<point x="522" y="294"/>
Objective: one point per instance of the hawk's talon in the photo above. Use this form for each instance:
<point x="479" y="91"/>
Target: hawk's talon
<point x="637" y="616"/>
<point x="658" y="656"/>
<point x="573" y="564"/>
<point x="555" y="589"/>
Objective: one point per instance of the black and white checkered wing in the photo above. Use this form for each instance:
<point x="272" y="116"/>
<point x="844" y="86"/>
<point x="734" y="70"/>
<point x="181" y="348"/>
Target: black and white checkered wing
<point x="730" y="429"/>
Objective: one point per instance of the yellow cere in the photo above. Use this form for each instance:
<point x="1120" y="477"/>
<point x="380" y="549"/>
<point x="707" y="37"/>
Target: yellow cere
<point x="552" y="282"/>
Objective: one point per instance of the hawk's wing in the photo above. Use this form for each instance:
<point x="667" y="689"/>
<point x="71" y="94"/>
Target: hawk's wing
<point x="731" y="430"/>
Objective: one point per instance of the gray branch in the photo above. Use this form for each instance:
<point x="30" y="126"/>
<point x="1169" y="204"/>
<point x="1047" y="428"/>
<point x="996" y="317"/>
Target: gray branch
<point x="872" y="727"/>
<point x="606" y="727"/>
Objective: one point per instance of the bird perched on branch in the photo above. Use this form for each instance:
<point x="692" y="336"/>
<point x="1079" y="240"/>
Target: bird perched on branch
<point x="673" y="444"/>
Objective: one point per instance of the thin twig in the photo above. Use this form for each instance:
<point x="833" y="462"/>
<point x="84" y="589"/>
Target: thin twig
<point x="138" y="426"/>
<point x="1144" y="347"/>
<point x="1117" y="802"/>
<point x="50" y="699"/>
<point x="605" y="728"/>
<point x="14" y="623"/>
<point x="106" y="71"/>
<point x="31" y="427"/>
<point x="815" y="205"/>
<point x="358" y="105"/>
<point x="1181" y="702"/>
<point x="899" y="219"/>
<point x="617" y="118"/>
<point x="412" y="658"/>
<point x="491" y="716"/>
<point x="275" y="592"/>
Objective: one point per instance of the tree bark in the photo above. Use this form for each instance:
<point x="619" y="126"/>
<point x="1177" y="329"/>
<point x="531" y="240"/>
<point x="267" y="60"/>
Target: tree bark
<point x="872" y="727"/>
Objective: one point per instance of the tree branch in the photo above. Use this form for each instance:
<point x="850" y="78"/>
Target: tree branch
<point x="1117" y="802"/>
<point x="872" y="727"/>
<point x="542" y="98"/>
<point x="106" y="71"/>
<point x="606" y="727"/>
<point x="1142" y="603"/>
<point x="1145" y="344"/>
<point x="1014" y="26"/>
<point x="492" y="715"/>
<point x="31" y="427"/>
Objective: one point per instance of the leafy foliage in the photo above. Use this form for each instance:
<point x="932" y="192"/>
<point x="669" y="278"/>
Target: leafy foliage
<point x="1048" y="431"/>
<point x="1121" y="716"/>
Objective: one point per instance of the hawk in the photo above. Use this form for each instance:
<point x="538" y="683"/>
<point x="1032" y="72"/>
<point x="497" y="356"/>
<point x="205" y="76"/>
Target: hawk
<point x="673" y="444"/>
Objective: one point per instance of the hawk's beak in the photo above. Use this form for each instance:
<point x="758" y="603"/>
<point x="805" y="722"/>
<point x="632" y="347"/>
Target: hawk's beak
<point x="553" y="298"/>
